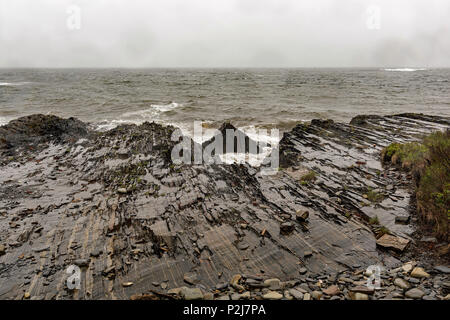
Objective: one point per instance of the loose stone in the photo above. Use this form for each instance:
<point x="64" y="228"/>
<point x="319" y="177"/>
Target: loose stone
<point x="402" y="283"/>
<point x="273" y="295"/>
<point x="414" y="293"/>
<point x="419" y="273"/>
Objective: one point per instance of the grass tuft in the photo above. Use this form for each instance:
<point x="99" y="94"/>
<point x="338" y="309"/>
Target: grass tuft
<point x="374" y="220"/>
<point x="374" y="196"/>
<point x="309" y="177"/>
<point x="429" y="163"/>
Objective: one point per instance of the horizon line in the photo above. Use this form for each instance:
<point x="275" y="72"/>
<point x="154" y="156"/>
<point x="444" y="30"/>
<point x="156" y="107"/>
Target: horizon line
<point x="237" y="67"/>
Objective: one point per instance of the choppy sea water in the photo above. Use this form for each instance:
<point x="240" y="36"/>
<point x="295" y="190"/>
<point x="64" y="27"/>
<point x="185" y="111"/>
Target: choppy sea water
<point x="268" y="98"/>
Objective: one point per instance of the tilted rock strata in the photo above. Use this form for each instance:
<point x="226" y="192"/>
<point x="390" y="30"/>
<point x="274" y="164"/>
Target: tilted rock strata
<point x="113" y="204"/>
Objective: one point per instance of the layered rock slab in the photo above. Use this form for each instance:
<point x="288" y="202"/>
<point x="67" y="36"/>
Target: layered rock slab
<point x="116" y="202"/>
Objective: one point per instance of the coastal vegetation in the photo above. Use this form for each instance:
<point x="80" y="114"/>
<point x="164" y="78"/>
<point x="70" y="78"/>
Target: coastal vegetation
<point x="429" y="164"/>
<point x="309" y="177"/>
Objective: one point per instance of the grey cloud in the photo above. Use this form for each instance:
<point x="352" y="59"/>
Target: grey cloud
<point x="224" y="33"/>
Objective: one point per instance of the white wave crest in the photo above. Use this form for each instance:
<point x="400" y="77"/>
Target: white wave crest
<point x="5" y="120"/>
<point x="150" y="114"/>
<point x="10" y="84"/>
<point x="107" y="125"/>
<point x="166" y="107"/>
<point x="405" y="69"/>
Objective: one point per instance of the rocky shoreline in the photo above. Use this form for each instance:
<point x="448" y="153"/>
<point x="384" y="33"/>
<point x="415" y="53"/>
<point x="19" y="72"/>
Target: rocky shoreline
<point x="140" y="227"/>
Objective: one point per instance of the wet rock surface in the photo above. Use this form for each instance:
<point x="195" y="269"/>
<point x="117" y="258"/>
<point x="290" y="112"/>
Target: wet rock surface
<point x="140" y="227"/>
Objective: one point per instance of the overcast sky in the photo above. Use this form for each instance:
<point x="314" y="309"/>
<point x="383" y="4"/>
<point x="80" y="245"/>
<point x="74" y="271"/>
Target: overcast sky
<point x="225" y="33"/>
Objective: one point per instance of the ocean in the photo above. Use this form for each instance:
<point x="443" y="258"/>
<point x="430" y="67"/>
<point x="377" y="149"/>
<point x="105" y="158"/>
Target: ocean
<point x="262" y="98"/>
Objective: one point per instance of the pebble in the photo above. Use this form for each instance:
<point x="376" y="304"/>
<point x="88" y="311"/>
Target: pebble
<point x="287" y="295"/>
<point x="307" y="296"/>
<point x="190" y="278"/>
<point x="360" y="296"/>
<point x="362" y="289"/>
<point x="332" y="290"/>
<point x="419" y="273"/>
<point x="221" y="286"/>
<point x="302" y="215"/>
<point x="2" y="249"/>
<point x="175" y="291"/>
<point x="273" y="284"/>
<point x="402" y="283"/>
<point x="40" y="249"/>
<point x="397" y="295"/>
<point x="208" y="296"/>
<point x="235" y="282"/>
<point x="286" y="227"/>
<point x="429" y="239"/>
<point x="442" y="269"/>
<point x="127" y="284"/>
<point x="303" y="270"/>
<point x="414" y="280"/>
<point x="191" y="293"/>
<point x="82" y="262"/>
<point x="273" y="295"/>
<point x="316" y="295"/>
<point x="245" y="295"/>
<point x="243" y="245"/>
<point x="122" y="190"/>
<point x="346" y="280"/>
<point x="414" y="293"/>
<point x="407" y="267"/>
<point x="402" y="219"/>
<point x="296" y="294"/>
<point x="303" y="288"/>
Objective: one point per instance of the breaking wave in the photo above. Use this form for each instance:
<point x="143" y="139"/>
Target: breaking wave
<point x="166" y="107"/>
<point x="4" y="120"/>
<point x="10" y="84"/>
<point x="405" y="69"/>
<point x="150" y="114"/>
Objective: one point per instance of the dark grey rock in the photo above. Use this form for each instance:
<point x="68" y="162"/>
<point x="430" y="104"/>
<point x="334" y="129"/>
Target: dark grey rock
<point x="442" y="269"/>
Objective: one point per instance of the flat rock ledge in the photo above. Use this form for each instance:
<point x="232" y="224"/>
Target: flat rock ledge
<point x="139" y="227"/>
